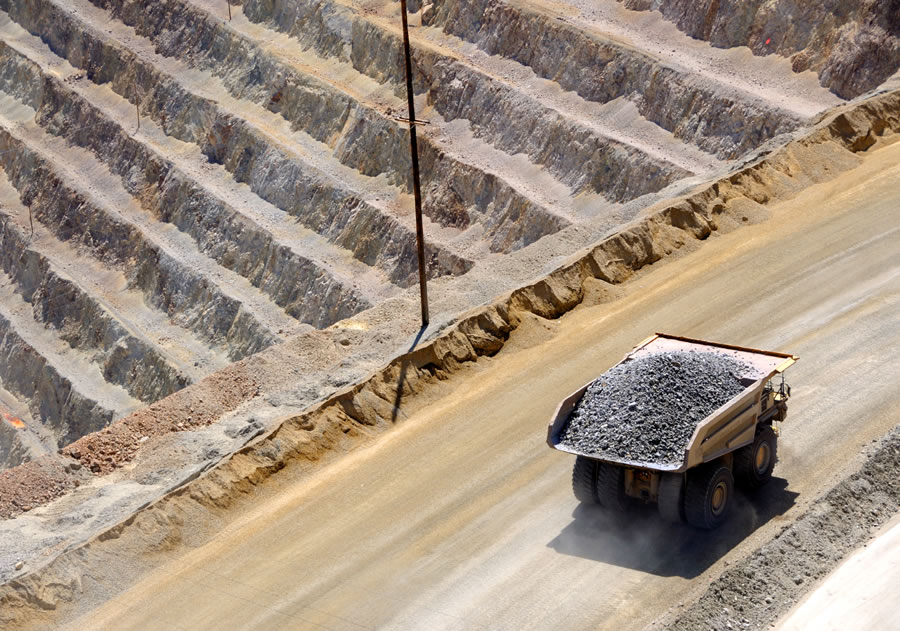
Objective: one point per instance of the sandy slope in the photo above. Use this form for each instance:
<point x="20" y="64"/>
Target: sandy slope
<point x="463" y="519"/>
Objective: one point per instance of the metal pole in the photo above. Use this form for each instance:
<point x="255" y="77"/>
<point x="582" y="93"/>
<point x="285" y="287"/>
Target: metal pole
<point x="413" y="148"/>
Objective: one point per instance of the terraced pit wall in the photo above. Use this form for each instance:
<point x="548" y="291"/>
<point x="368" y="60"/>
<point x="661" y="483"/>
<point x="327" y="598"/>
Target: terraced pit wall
<point x="202" y="190"/>
<point x="853" y="46"/>
<point x="691" y="107"/>
<point x="364" y="409"/>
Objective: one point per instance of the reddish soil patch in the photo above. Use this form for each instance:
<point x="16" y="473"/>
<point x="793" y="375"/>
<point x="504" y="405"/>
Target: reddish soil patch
<point x="103" y="451"/>
<point x="32" y="484"/>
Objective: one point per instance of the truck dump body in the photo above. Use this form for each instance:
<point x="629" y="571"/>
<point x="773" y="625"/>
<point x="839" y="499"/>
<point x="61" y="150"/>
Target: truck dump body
<point x="741" y="373"/>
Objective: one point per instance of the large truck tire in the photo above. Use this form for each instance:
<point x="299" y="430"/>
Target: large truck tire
<point x="584" y="480"/>
<point x="670" y="502"/>
<point x="707" y="495"/>
<point x="610" y="487"/>
<point x="753" y="463"/>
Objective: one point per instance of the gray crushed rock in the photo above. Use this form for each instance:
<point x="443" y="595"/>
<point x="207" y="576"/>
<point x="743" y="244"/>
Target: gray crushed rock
<point x="646" y="409"/>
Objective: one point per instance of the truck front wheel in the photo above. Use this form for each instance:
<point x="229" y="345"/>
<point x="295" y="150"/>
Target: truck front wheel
<point x="584" y="480"/>
<point x="753" y="464"/>
<point x="708" y="495"/>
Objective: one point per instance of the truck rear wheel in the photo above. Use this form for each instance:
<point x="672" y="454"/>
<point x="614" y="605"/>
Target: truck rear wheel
<point x="584" y="480"/>
<point x="670" y="502"/>
<point x="610" y="487"/>
<point x="708" y="495"/>
<point x="753" y="464"/>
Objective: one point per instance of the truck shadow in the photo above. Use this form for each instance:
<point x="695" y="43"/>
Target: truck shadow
<point x="641" y="541"/>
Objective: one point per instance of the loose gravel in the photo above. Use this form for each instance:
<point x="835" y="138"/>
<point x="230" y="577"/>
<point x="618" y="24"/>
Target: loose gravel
<point x="646" y="409"/>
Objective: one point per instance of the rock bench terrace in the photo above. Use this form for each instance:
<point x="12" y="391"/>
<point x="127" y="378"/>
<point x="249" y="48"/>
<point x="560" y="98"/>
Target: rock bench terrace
<point x="179" y="191"/>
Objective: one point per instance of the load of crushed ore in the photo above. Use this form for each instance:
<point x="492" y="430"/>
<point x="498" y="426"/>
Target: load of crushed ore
<point x="647" y="408"/>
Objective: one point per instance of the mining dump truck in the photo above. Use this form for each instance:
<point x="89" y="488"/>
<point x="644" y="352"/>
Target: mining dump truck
<point x="637" y="435"/>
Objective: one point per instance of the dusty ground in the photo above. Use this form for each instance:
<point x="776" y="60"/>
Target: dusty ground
<point x="462" y="518"/>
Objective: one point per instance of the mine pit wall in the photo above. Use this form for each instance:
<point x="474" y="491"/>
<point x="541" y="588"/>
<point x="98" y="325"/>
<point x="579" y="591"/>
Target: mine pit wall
<point x="516" y="124"/>
<point x="348" y="221"/>
<point x="510" y="220"/>
<point x="19" y="79"/>
<point x="853" y="45"/>
<point x="191" y="299"/>
<point x="62" y="304"/>
<point x="72" y="218"/>
<point x="497" y="113"/>
<point x="364" y="409"/>
<point x="13" y="450"/>
<point x="305" y="291"/>
<point x="601" y="71"/>
<point x="361" y="137"/>
<point x="49" y="395"/>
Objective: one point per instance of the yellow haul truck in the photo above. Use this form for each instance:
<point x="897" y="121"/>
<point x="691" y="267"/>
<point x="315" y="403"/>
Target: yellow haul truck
<point x="735" y="443"/>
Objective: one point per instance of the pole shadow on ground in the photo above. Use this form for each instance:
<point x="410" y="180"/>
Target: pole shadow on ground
<point x="639" y="539"/>
<point x="404" y="367"/>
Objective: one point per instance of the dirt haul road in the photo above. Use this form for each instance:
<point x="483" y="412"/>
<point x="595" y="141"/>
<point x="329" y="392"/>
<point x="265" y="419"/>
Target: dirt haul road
<point x="462" y="518"/>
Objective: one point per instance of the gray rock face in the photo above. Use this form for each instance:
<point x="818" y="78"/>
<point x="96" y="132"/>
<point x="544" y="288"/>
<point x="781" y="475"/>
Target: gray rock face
<point x="264" y="189"/>
<point x="49" y="393"/>
<point x="498" y="113"/>
<point x="853" y="45"/>
<point x="646" y="409"/>
<point x="362" y="137"/>
<point x="202" y="306"/>
<point x="60" y="303"/>
<point x="692" y="108"/>
<point x="274" y="174"/>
